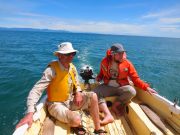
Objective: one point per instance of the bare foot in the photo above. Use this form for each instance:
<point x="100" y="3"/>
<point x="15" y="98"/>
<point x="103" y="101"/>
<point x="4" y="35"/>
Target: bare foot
<point x="107" y="119"/>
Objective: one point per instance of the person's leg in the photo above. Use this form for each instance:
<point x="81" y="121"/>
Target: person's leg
<point x="118" y="108"/>
<point x="103" y="91"/>
<point x="125" y="94"/>
<point x="91" y="103"/>
<point x="108" y="118"/>
<point x="62" y="113"/>
<point x="94" y="111"/>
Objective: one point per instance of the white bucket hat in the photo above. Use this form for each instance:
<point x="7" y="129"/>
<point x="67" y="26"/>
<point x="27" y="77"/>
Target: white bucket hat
<point x="65" y="48"/>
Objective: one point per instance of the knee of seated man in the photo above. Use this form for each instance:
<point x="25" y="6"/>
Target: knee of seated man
<point x="73" y="118"/>
<point x="132" y="91"/>
<point x="94" y="97"/>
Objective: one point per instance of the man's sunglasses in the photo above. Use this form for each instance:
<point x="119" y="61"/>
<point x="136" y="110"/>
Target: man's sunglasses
<point x="70" y="54"/>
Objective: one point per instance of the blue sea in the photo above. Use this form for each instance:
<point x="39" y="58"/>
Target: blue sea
<point x="24" y="55"/>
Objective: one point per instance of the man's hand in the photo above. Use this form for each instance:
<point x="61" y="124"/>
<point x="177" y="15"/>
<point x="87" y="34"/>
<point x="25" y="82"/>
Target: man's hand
<point x="27" y="119"/>
<point x="78" y="99"/>
<point x="150" y="91"/>
<point x="97" y="79"/>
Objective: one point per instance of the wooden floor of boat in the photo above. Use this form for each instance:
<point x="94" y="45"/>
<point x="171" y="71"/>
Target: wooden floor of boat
<point x="119" y="127"/>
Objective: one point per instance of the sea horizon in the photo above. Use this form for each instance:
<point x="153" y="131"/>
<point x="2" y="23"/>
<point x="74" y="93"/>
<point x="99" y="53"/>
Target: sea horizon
<point x="26" y="29"/>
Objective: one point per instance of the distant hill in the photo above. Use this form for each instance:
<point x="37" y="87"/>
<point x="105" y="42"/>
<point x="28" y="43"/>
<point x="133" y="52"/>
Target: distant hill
<point x="32" y="29"/>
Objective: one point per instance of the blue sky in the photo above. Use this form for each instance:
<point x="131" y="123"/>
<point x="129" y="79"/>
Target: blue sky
<point x="121" y="17"/>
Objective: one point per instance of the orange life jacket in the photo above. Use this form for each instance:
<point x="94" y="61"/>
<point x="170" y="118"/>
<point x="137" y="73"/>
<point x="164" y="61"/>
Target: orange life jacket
<point x="59" y="88"/>
<point x="125" y="69"/>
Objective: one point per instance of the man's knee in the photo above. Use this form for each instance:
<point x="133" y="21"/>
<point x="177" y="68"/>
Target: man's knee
<point x="132" y="91"/>
<point x="74" y="120"/>
<point x="94" y="97"/>
<point x="98" y="90"/>
<point x="128" y="92"/>
<point x="97" y="98"/>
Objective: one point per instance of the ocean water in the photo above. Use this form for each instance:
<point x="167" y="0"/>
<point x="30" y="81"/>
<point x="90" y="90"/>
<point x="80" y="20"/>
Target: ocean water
<point x="24" y="56"/>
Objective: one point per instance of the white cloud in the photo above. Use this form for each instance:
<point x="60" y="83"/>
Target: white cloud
<point x="101" y="27"/>
<point x="28" y="14"/>
<point x="170" y="20"/>
<point x="170" y="28"/>
<point x="165" y="22"/>
<point x="163" y="13"/>
<point x="73" y="25"/>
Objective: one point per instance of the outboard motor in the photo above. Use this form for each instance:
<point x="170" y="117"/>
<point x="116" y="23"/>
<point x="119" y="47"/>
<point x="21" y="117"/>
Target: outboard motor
<point x="86" y="73"/>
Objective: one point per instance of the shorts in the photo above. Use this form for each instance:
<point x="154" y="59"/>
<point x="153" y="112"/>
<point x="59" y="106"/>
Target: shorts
<point x="59" y="109"/>
<point x="124" y="94"/>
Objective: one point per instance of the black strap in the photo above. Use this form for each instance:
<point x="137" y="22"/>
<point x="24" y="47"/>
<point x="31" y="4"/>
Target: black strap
<point x="78" y="130"/>
<point x="99" y="131"/>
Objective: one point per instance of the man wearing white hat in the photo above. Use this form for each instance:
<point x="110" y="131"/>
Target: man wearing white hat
<point x="64" y="95"/>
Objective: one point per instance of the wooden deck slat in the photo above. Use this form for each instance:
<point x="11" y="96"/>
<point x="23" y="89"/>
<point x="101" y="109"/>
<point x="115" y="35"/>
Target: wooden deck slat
<point x="88" y="123"/>
<point x="115" y="129"/>
<point x="122" y="125"/>
<point x="107" y="129"/>
<point x="61" y="128"/>
<point x="111" y="131"/>
<point x="127" y="129"/>
<point x="130" y="129"/>
<point x="118" y="124"/>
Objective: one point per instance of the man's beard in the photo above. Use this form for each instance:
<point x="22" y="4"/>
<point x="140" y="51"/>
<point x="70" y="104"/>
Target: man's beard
<point x="117" y="61"/>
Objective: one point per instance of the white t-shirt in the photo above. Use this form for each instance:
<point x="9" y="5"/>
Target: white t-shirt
<point x="114" y="73"/>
